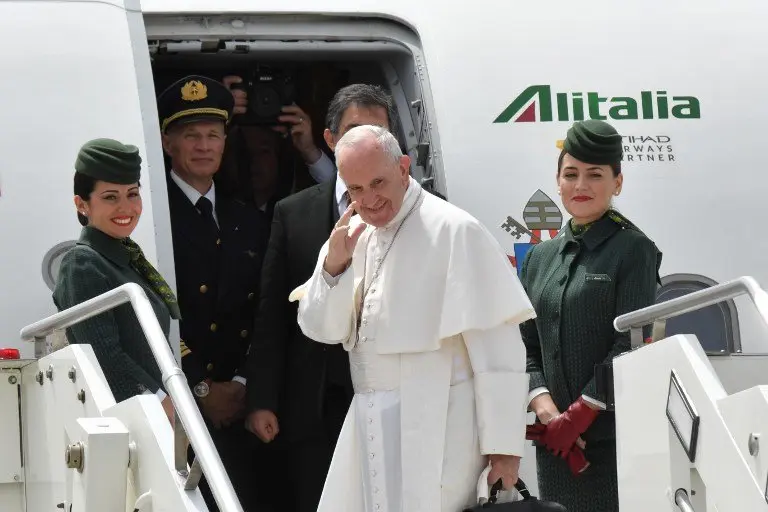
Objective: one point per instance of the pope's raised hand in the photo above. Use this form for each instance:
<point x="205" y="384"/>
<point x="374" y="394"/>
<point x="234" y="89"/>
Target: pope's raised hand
<point x="341" y="243"/>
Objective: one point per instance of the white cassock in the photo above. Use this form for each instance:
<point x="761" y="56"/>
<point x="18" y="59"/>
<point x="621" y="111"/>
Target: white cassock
<point x="437" y="362"/>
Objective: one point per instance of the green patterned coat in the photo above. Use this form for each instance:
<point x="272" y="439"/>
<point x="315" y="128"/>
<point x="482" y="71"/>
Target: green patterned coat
<point x="578" y="285"/>
<point x="97" y="264"/>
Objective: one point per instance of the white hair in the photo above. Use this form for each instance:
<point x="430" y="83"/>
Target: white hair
<point x="382" y="137"/>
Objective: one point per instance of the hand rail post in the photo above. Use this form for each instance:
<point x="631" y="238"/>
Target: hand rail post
<point x="663" y="311"/>
<point x="682" y="501"/>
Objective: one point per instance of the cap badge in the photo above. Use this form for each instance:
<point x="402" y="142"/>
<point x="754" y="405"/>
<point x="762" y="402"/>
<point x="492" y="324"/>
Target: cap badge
<point x="194" y="90"/>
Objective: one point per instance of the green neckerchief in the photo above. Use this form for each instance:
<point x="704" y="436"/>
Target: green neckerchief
<point x="145" y="268"/>
<point x="579" y="229"/>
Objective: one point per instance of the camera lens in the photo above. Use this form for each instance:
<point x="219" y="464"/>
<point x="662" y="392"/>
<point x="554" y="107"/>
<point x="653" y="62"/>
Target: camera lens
<point x="266" y="102"/>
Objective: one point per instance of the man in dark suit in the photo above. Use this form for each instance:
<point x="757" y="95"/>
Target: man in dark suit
<point x="296" y="387"/>
<point x="218" y="251"/>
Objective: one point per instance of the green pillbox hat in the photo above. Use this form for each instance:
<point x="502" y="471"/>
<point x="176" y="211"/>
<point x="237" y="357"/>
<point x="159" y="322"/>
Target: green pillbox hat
<point x="109" y="160"/>
<point x="594" y="142"/>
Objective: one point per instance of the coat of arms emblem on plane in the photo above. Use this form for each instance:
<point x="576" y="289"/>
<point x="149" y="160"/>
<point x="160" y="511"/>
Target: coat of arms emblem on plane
<point x="194" y="91"/>
<point x="540" y="214"/>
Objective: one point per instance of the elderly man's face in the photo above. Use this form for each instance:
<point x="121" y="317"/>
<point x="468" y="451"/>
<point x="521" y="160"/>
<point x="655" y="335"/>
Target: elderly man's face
<point x="373" y="180"/>
<point x="196" y="148"/>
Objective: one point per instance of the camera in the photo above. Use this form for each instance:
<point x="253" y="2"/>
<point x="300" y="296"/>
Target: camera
<point x="268" y="91"/>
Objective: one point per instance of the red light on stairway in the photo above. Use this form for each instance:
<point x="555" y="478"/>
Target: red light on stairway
<point x="9" y="353"/>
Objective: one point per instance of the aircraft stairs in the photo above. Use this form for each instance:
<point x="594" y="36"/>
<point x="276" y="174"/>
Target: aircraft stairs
<point x="70" y="447"/>
<point x="690" y="427"/>
<point x="685" y="441"/>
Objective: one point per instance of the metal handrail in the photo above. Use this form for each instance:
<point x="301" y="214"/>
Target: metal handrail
<point x="682" y="501"/>
<point x="173" y="378"/>
<point x="662" y="311"/>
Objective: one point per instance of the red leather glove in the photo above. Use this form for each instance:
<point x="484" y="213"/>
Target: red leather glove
<point x="563" y="430"/>
<point x="535" y="432"/>
<point x="577" y="461"/>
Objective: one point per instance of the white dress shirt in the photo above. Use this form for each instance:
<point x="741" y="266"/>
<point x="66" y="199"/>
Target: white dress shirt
<point x="342" y="198"/>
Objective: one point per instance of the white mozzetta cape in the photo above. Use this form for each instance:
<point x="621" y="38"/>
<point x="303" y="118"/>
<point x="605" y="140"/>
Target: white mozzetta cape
<point x="445" y="274"/>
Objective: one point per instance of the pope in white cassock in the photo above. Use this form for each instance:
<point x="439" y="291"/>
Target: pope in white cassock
<point x="427" y="305"/>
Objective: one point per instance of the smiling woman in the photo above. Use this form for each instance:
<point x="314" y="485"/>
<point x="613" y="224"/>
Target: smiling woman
<point x="108" y="202"/>
<point x="113" y="208"/>
<point x="599" y="267"/>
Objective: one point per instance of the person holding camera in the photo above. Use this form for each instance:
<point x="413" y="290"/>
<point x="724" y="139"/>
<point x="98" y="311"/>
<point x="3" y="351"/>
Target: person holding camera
<point x="294" y="122"/>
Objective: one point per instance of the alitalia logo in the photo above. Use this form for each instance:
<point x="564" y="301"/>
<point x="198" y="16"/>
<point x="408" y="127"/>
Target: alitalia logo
<point x="577" y="106"/>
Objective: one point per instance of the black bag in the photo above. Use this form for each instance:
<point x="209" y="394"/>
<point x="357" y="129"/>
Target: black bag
<point x="527" y="504"/>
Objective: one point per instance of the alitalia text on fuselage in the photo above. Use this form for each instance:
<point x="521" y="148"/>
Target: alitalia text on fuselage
<point x="577" y="106"/>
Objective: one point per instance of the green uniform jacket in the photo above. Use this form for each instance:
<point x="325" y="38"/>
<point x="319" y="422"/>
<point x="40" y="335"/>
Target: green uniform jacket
<point x="578" y="286"/>
<point x="97" y="264"/>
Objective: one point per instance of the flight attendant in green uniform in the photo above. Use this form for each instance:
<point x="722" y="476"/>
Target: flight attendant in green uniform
<point x="109" y="206"/>
<point x="598" y="267"/>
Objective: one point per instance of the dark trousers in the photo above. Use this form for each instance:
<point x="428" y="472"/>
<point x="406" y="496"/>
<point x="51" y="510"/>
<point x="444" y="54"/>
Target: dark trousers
<point x="249" y="463"/>
<point x="596" y="489"/>
<point x="311" y="456"/>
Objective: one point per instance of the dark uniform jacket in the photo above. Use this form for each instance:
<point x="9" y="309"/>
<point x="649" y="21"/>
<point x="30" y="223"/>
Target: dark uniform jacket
<point x="578" y="286"/>
<point x="288" y="373"/>
<point x="218" y="284"/>
<point x="97" y="264"/>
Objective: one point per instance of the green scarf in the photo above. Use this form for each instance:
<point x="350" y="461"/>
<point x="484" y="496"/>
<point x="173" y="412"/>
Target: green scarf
<point x="579" y="229"/>
<point x="145" y="269"/>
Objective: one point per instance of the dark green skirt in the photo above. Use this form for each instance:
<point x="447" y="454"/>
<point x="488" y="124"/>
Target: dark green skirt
<point x="594" y="490"/>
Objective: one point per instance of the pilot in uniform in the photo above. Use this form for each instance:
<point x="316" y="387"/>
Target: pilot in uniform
<point x="218" y="250"/>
